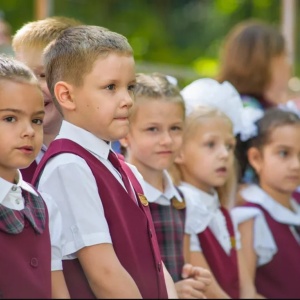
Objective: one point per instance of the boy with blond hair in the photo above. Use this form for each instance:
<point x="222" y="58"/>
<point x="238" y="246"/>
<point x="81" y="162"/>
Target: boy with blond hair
<point x="28" y="44"/>
<point x="111" y="249"/>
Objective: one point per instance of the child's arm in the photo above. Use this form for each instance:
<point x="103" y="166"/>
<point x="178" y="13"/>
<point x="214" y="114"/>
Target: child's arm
<point x="214" y="290"/>
<point x="59" y="286"/>
<point x="247" y="260"/>
<point x="172" y="294"/>
<point x="105" y="274"/>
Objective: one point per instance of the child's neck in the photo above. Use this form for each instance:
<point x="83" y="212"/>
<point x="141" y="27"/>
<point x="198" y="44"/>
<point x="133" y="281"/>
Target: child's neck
<point x="280" y="197"/>
<point x="156" y="180"/>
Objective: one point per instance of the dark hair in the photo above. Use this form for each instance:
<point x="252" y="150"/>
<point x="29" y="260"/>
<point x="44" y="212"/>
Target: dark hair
<point x="272" y="119"/>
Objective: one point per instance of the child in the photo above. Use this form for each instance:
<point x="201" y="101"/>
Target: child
<point x="24" y="232"/>
<point x="28" y="44"/>
<point x="269" y="220"/>
<point x="206" y="166"/>
<point x="155" y="135"/>
<point x="111" y="248"/>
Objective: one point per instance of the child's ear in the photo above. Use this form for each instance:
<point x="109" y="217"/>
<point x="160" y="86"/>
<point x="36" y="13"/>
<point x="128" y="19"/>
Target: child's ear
<point x="179" y="158"/>
<point x="63" y="94"/>
<point x="255" y="159"/>
<point x="124" y="142"/>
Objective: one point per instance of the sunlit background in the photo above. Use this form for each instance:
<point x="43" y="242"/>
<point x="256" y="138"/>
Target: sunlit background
<point x="178" y="37"/>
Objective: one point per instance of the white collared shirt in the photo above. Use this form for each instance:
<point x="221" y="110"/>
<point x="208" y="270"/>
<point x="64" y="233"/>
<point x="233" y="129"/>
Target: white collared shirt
<point x="11" y="193"/>
<point x="41" y="153"/>
<point x="264" y="243"/>
<point x="70" y="182"/>
<point x="154" y="195"/>
<point x="11" y="197"/>
<point x="202" y="211"/>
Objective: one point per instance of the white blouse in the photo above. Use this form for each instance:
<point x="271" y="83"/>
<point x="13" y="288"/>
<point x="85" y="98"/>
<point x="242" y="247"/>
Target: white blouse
<point x="153" y="195"/>
<point x="264" y="244"/>
<point x="202" y="211"/>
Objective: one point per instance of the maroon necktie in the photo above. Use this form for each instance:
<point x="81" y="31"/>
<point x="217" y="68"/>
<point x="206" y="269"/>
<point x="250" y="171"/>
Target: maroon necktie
<point x="115" y="162"/>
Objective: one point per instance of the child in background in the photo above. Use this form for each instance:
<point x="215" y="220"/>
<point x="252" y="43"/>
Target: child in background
<point x="29" y="43"/>
<point x="154" y="138"/>
<point x="269" y="222"/>
<point x="206" y="166"/>
<point x="24" y="232"/>
<point x="111" y="249"/>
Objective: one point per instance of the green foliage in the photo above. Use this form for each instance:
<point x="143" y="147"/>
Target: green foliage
<point x="179" y="37"/>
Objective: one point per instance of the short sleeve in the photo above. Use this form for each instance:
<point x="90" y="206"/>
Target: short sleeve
<point x="264" y="244"/>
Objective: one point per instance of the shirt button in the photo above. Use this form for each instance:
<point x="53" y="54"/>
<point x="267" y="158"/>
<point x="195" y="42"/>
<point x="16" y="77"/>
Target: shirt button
<point x="34" y="262"/>
<point x="17" y="201"/>
<point x="159" y="266"/>
<point x="14" y="188"/>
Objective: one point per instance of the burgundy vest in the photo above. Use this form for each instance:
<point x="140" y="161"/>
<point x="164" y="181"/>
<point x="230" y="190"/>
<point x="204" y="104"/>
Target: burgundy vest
<point x="28" y="172"/>
<point x="130" y="225"/>
<point x="25" y="259"/>
<point x="280" y="278"/>
<point x="223" y="266"/>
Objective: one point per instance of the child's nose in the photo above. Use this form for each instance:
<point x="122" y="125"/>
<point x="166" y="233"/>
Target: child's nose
<point x="166" y="138"/>
<point x="127" y="99"/>
<point x="28" y="130"/>
<point x="224" y="152"/>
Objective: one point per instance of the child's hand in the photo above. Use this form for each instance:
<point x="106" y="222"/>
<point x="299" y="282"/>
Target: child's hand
<point x="194" y="283"/>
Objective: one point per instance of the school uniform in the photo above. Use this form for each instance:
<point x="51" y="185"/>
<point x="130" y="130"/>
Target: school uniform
<point x="96" y="209"/>
<point x="25" y="256"/>
<point x="212" y="232"/>
<point x="27" y="173"/>
<point x="168" y="214"/>
<point x="276" y="242"/>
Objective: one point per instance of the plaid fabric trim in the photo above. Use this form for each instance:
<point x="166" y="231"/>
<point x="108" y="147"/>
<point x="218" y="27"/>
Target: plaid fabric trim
<point x="12" y="221"/>
<point x="169" y="227"/>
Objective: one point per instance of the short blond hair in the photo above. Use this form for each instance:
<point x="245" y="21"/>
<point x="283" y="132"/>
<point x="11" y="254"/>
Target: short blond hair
<point x="14" y="70"/>
<point x="40" y="33"/>
<point x="72" y="55"/>
<point x="156" y="86"/>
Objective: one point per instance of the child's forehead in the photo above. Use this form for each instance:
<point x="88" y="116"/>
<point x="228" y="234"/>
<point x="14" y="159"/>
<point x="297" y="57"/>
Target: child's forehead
<point x="288" y="134"/>
<point x="217" y="125"/>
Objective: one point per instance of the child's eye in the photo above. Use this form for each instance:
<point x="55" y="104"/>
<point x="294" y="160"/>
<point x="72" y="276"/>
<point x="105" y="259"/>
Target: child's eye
<point x="230" y="147"/>
<point x="283" y="153"/>
<point x="42" y="75"/>
<point x="210" y="144"/>
<point x="131" y="87"/>
<point x="152" y="129"/>
<point x="176" y="128"/>
<point x="111" y="87"/>
<point x="10" y="119"/>
<point x="37" y="121"/>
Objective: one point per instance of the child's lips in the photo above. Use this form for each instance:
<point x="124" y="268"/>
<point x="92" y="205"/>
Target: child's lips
<point x="26" y="149"/>
<point x="222" y="170"/>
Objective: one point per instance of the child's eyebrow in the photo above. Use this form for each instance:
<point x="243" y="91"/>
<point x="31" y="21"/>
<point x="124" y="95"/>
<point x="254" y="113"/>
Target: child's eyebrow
<point x="18" y="111"/>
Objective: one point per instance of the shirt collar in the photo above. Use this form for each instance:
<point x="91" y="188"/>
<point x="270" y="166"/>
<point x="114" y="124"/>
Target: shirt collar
<point x="80" y="136"/>
<point x="210" y="201"/>
<point x="154" y="195"/>
<point x="6" y="187"/>
<point x="255" y="194"/>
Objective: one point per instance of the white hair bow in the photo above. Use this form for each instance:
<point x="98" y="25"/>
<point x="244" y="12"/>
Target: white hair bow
<point x="249" y="116"/>
<point x="222" y="96"/>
